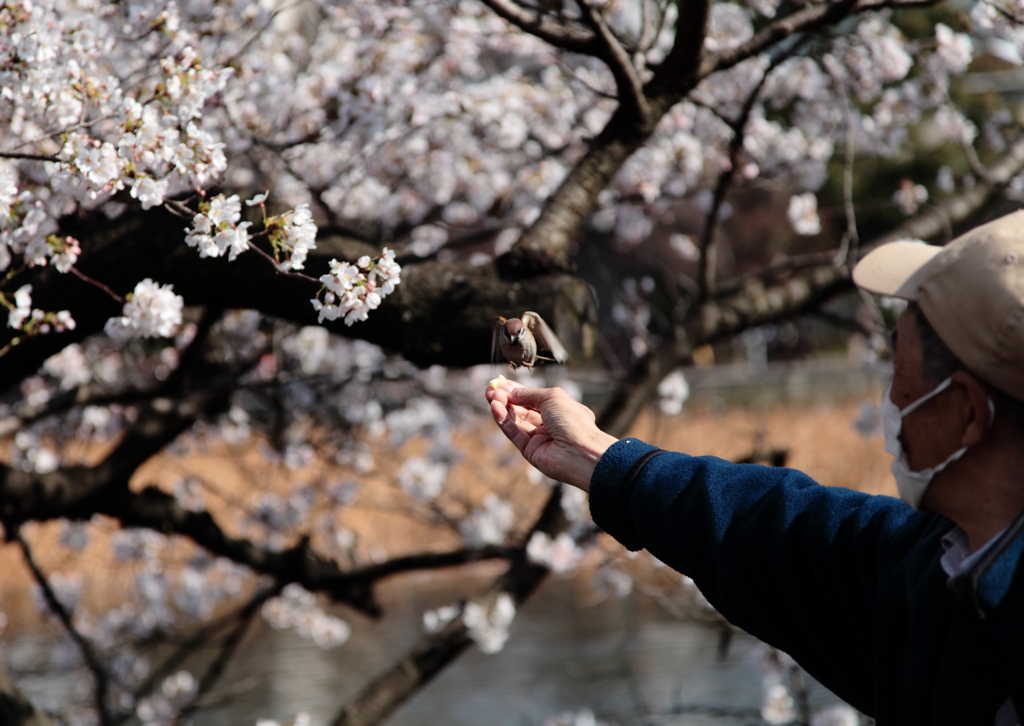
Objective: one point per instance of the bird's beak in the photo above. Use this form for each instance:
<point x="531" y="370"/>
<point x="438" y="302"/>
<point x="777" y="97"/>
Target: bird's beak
<point x="512" y="339"/>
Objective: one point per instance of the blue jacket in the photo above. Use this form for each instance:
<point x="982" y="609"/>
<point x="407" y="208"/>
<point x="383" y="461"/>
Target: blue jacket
<point x="847" y="583"/>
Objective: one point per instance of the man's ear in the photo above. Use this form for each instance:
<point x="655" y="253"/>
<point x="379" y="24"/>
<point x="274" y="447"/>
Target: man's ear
<point x="978" y="419"/>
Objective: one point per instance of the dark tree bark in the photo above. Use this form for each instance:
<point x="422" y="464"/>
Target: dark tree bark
<point x="15" y="709"/>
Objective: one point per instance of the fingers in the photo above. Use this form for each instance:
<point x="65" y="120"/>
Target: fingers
<point x="506" y="421"/>
<point x="532" y="397"/>
<point x="499" y="412"/>
<point x="501" y="392"/>
<point x="519" y="423"/>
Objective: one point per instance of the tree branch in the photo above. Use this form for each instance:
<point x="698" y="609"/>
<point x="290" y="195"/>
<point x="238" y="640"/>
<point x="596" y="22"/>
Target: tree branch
<point x="159" y="511"/>
<point x="76" y="492"/>
<point x="757" y="303"/>
<point x="544" y="247"/>
<point x="809" y="18"/>
<point x="32" y="157"/>
<point x="433" y="561"/>
<point x="227" y="649"/>
<point x="186" y="648"/>
<point x="89" y="655"/>
<point x="433" y="652"/>
<point x="16" y="709"/>
<point x="151" y="244"/>
<point x="676" y="75"/>
<point x="627" y="80"/>
<point x="557" y="34"/>
<point x="709" y="256"/>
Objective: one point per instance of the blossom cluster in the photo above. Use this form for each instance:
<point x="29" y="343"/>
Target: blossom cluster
<point x="296" y="608"/>
<point x="162" y="707"/>
<point x="22" y="316"/>
<point x="293" y="235"/>
<point x="612" y="582"/>
<point x="216" y="229"/>
<point x="353" y="291"/>
<point x="151" y="311"/>
<point x="418" y="126"/>
<point x="559" y="555"/>
<point x="489" y="524"/>
<point x="435" y="620"/>
<point x="422" y="479"/>
<point x="159" y="144"/>
<point x="488" y="624"/>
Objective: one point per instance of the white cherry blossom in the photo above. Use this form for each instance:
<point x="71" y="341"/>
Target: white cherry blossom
<point x="422" y="479"/>
<point x="153" y="311"/>
<point x="560" y="555"/>
<point x="803" y="214"/>
<point x="488" y="525"/>
<point x="488" y="624"/>
<point x="296" y="609"/>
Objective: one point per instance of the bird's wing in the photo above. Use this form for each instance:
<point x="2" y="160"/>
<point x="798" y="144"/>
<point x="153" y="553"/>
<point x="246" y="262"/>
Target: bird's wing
<point x="546" y="338"/>
<point x="496" y="325"/>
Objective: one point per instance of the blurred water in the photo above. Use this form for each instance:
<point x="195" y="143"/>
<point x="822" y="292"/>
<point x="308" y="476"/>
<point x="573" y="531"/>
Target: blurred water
<point x="627" y="660"/>
<point x="620" y="658"/>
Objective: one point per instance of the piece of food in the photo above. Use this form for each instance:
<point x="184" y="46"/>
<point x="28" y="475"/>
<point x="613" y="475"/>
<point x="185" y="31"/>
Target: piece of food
<point x="495" y="383"/>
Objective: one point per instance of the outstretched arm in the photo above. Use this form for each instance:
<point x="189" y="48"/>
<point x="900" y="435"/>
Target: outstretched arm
<point x="819" y="572"/>
<point x="552" y="431"/>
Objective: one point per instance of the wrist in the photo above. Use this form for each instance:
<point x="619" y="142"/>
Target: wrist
<point x="599" y="443"/>
<point x="592" y="450"/>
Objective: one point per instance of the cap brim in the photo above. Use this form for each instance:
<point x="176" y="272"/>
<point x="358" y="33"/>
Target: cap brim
<point x="889" y="270"/>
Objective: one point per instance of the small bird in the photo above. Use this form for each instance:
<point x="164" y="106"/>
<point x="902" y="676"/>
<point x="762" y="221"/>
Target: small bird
<point x="520" y="339"/>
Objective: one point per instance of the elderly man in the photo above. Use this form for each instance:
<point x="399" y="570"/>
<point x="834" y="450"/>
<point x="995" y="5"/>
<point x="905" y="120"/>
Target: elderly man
<point x="913" y="610"/>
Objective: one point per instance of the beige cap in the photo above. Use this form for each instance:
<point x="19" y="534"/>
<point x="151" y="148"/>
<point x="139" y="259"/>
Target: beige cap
<point x="971" y="291"/>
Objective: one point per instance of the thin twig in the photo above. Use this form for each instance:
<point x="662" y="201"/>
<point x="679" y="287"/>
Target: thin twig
<point x="175" y="659"/>
<point x="845" y="322"/>
<point x="88" y="654"/>
<point x="66" y="130"/>
<point x="766" y="274"/>
<point x="708" y="256"/>
<point x="286" y="273"/>
<point x="851" y="240"/>
<point x="245" y="46"/>
<point x="227" y="649"/>
<point x="96" y="283"/>
<point x="969" y="151"/>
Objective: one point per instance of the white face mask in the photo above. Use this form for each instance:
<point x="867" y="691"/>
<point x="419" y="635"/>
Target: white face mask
<point x="911" y="485"/>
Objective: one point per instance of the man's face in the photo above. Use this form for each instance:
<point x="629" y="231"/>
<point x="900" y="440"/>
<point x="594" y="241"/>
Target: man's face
<point x="928" y="434"/>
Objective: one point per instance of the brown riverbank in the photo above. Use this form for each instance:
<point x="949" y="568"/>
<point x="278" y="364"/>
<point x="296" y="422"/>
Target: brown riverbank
<point x="819" y="439"/>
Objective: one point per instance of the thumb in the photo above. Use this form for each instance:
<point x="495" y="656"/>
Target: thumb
<point x="530" y="397"/>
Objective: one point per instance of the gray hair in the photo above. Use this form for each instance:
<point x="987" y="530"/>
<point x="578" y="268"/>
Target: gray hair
<point x="938" y="362"/>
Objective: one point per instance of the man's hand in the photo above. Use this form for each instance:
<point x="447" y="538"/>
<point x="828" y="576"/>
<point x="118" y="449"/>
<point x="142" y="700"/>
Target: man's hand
<point x="551" y="430"/>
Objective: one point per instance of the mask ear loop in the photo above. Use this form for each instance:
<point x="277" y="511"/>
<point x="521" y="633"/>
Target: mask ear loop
<point x="935" y="392"/>
<point x="926" y="397"/>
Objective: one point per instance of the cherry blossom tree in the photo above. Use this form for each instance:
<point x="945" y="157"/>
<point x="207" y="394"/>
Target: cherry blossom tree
<point x="265" y="228"/>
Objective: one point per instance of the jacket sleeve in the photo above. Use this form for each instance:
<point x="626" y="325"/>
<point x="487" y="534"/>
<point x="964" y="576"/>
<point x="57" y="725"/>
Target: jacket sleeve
<point x="792" y="562"/>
